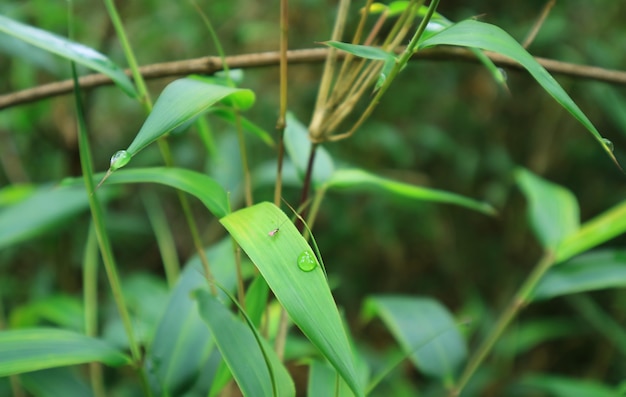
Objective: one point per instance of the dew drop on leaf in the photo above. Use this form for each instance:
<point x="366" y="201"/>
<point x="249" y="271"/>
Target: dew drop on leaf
<point x="119" y="159"/>
<point x="503" y="74"/>
<point x="307" y="261"/>
<point x="608" y="144"/>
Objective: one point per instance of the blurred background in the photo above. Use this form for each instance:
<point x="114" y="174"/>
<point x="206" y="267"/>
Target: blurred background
<point x="443" y="124"/>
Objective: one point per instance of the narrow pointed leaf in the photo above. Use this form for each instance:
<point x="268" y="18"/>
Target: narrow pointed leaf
<point x="242" y="353"/>
<point x="594" y="232"/>
<point x="362" y="51"/>
<point x="488" y="37"/>
<point x="68" y="49"/>
<point x="426" y="328"/>
<point x="305" y="295"/>
<point x="359" y="180"/>
<point x="559" y="386"/>
<point x="28" y="350"/>
<point x="181" y="101"/>
<point x="45" y="209"/>
<point x="201" y="186"/>
<point x="588" y="272"/>
<point x="182" y="345"/>
<point x="552" y="210"/>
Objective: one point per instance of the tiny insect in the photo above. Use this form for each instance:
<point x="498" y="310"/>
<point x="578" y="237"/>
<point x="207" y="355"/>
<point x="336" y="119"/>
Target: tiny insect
<point x="273" y="232"/>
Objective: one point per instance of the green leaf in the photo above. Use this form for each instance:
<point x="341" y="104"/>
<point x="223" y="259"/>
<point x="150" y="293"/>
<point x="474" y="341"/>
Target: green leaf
<point x="201" y="186"/>
<point x="362" y="51"/>
<point x="247" y="125"/>
<point x="552" y="210"/>
<point x="594" y="232"/>
<point x="61" y="310"/>
<point x="558" y="386"/>
<point x="28" y="350"/>
<point x="588" y="272"/>
<point x="181" y="101"/>
<point x="182" y="344"/>
<point x="66" y="382"/>
<point x="241" y="351"/>
<point x="488" y="37"/>
<point x="42" y="211"/>
<point x="298" y="148"/>
<point x="305" y="295"/>
<point x="425" y="328"/>
<point x="323" y="381"/>
<point x="358" y="179"/>
<point x="68" y="49"/>
<point x="531" y="333"/>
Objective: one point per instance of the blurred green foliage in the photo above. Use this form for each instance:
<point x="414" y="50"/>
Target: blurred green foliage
<point x="442" y="124"/>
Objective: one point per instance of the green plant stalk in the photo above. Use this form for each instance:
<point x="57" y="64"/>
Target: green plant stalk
<point x="144" y="96"/>
<point x="164" y="237"/>
<point x="163" y="145"/>
<point x="206" y="136"/>
<point x="521" y="299"/>
<point x="103" y="239"/>
<point x="281" y="123"/>
<point x="90" y="299"/>
<point x="400" y="63"/>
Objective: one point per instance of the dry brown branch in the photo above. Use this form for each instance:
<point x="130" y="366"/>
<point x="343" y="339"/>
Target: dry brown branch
<point x="210" y="65"/>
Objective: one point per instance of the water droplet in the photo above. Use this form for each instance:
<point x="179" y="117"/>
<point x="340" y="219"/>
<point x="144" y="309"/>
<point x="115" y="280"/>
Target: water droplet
<point x="503" y="74"/>
<point x="307" y="261"/>
<point x="608" y="144"/>
<point x="119" y="159"/>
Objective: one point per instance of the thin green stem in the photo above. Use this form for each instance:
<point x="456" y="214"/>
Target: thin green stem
<point x="400" y="63"/>
<point x="144" y="97"/>
<point x="90" y="299"/>
<point x="164" y="237"/>
<point x="281" y="123"/>
<point x="521" y="299"/>
<point x="103" y="238"/>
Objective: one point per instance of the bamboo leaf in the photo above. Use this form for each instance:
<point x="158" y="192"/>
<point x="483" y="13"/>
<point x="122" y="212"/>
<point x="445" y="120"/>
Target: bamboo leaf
<point x="26" y="350"/>
<point x="552" y="210"/>
<point x="201" y="186"/>
<point x="488" y="37"/>
<point x="241" y="351"/>
<point x="359" y="180"/>
<point x="181" y="101"/>
<point x="426" y="328"/>
<point x="362" y="51"/>
<point x="588" y="272"/>
<point x="594" y="232"/>
<point x="305" y="295"/>
<point x="68" y="49"/>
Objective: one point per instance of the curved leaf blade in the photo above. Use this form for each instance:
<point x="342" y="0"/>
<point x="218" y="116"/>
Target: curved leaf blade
<point x="181" y="344"/>
<point x="362" y="51"/>
<point x="305" y="296"/>
<point x="471" y="33"/>
<point x="589" y="272"/>
<point x="68" y="49"/>
<point x="426" y="328"/>
<point x="242" y="353"/>
<point x="201" y="186"/>
<point x="28" y="350"/>
<point x="594" y="232"/>
<point x="552" y="210"/>
<point x="359" y="180"/>
<point x="181" y="101"/>
<point x="40" y="212"/>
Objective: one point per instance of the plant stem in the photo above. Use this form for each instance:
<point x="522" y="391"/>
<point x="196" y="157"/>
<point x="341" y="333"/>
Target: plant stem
<point x="404" y="58"/>
<point x="521" y="299"/>
<point x="282" y="115"/>
<point x="103" y="238"/>
<point x="144" y="97"/>
<point x="90" y="298"/>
